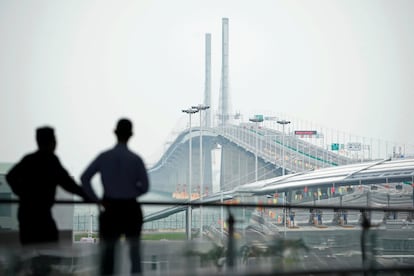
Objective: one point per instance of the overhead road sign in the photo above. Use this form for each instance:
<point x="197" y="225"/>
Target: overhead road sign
<point x="353" y="146"/>
<point x="337" y="146"/>
<point x="256" y="118"/>
<point x="305" y="132"/>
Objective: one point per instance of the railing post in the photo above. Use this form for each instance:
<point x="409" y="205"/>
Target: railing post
<point x="153" y="262"/>
<point x="230" y="245"/>
<point x="365" y="224"/>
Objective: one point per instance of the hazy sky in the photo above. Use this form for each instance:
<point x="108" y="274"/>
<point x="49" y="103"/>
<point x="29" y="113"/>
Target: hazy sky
<point x="80" y="65"/>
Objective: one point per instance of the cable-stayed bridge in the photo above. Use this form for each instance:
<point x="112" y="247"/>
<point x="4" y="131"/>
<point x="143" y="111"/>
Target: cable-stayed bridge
<point x="229" y="158"/>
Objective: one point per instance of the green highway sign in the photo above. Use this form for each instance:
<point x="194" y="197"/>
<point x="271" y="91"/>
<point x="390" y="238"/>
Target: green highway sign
<point x="259" y="118"/>
<point x="334" y="146"/>
<point x="256" y="118"/>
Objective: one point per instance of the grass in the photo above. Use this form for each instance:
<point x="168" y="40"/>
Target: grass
<point x="156" y="236"/>
<point x="163" y="235"/>
<point x="78" y="236"/>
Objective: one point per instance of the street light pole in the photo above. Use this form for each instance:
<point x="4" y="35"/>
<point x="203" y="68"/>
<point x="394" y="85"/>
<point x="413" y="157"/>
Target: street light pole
<point x="255" y="154"/>
<point x="200" y="108"/>
<point x="283" y="123"/>
<point x="256" y="119"/>
<point x="189" y="111"/>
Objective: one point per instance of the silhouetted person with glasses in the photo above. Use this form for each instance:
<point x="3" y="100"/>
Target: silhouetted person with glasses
<point x="34" y="180"/>
<point x="124" y="178"/>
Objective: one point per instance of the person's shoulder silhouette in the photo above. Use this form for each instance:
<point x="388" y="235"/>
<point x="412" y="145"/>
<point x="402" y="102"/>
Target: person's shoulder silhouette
<point x="124" y="178"/>
<point x="34" y="180"/>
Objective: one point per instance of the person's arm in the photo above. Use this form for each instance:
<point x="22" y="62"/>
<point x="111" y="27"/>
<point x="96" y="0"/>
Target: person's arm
<point x="69" y="184"/>
<point x="15" y="178"/>
<point x="86" y="177"/>
<point x="143" y="181"/>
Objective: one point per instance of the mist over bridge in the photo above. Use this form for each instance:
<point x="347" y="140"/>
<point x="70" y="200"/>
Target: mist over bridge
<point x="236" y="152"/>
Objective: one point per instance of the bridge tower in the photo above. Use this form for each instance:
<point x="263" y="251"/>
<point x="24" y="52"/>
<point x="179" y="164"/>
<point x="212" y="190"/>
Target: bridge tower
<point x="207" y="84"/>
<point x="224" y="100"/>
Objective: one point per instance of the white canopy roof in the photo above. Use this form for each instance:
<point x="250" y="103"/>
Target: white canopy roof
<point x="383" y="171"/>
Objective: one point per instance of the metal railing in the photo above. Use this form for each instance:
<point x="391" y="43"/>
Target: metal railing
<point x="266" y="238"/>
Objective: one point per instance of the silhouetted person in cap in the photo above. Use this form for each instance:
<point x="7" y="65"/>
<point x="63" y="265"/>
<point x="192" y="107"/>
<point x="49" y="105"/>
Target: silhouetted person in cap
<point x="124" y="178"/>
<point x="34" y="180"/>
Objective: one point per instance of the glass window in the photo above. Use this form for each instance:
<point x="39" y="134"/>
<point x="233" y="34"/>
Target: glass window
<point x="5" y="209"/>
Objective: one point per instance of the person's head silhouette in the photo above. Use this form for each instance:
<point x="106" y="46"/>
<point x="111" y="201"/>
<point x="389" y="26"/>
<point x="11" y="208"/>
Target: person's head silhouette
<point x="45" y="138"/>
<point x="123" y="130"/>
